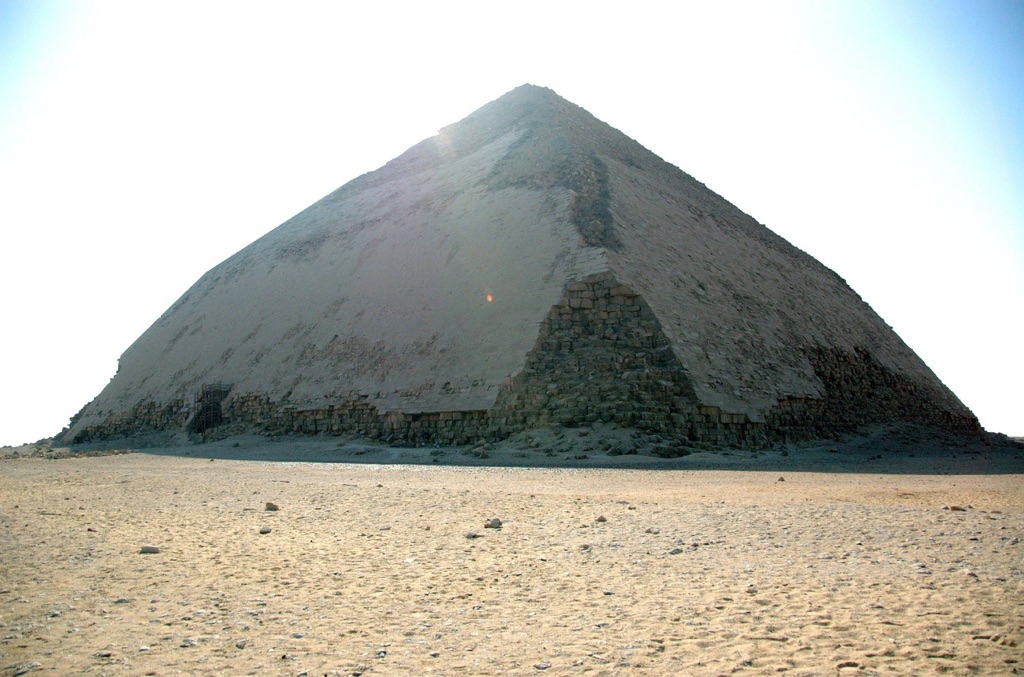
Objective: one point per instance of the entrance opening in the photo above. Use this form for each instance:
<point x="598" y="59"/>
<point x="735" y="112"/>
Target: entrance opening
<point x="207" y="412"/>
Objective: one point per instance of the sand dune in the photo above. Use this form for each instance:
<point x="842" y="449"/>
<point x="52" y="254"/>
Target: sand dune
<point x="367" y="568"/>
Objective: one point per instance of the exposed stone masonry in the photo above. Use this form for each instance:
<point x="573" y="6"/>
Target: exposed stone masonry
<point x="859" y="391"/>
<point x="600" y="356"/>
<point x="354" y="415"/>
<point x="144" y="417"/>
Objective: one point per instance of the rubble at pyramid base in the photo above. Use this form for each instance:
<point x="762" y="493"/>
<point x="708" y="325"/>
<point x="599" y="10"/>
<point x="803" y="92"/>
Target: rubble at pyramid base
<point x="601" y="358"/>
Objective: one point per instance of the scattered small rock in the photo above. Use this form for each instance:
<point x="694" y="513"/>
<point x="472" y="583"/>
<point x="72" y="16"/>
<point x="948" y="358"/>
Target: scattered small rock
<point x="273" y="507"/>
<point x="240" y="644"/>
<point x="675" y="551"/>
<point x="544" y="665"/>
<point x="751" y="589"/>
<point x="435" y="654"/>
<point x="26" y="667"/>
<point x="265" y="530"/>
<point x="103" y="654"/>
<point x="149" y="550"/>
<point x="493" y="523"/>
<point x="601" y="518"/>
<point x="471" y="535"/>
<point x="956" y="508"/>
<point x="652" y="530"/>
<point x="781" y="479"/>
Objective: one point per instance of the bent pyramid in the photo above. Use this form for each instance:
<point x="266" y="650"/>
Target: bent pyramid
<point x="527" y="266"/>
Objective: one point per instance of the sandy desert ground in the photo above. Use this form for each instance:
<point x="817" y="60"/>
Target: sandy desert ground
<point x="823" y="561"/>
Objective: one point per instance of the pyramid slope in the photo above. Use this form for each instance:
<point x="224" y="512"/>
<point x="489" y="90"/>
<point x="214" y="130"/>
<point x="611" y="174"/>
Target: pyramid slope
<point x="743" y="308"/>
<point x="419" y="301"/>
<point x="381" y="292"/>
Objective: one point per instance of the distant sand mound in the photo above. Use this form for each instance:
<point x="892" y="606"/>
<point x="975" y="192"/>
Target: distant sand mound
<point x="528" y="266"/>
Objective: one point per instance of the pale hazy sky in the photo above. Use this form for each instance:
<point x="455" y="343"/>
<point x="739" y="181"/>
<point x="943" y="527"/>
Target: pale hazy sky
<point x="141" y="143"/>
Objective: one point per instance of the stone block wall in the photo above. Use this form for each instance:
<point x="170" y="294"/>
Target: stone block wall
<point x="859" y="391"/>
<point x="601" y="356"/>
<point x="353" y="415"/>
<point x="144" y="418"/>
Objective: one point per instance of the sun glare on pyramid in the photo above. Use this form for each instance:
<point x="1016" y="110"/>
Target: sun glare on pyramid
<point x="444" y="143"/>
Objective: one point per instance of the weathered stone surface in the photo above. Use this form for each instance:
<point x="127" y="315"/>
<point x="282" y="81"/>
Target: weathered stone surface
<point x="529" y="266"/>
